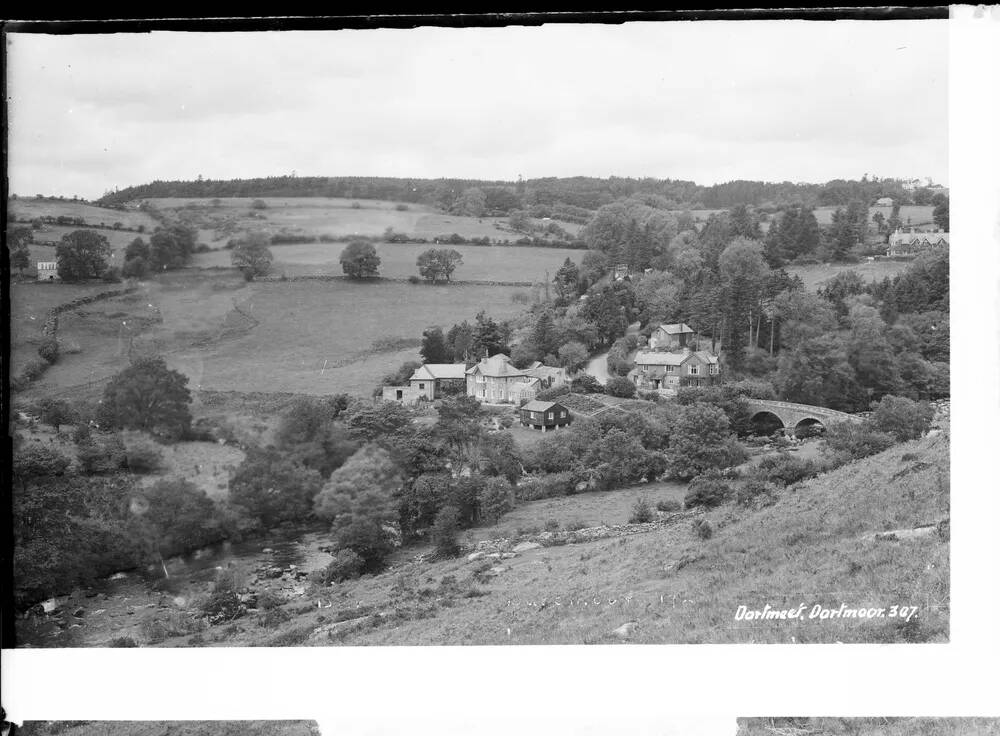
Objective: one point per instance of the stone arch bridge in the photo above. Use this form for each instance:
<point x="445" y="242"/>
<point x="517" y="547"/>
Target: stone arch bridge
<point x="794" y="417"/>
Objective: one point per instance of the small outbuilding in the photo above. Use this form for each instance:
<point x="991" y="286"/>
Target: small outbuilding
<point x="544" y="415"/>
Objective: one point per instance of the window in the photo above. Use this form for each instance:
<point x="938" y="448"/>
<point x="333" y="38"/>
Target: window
<point x="551" y="415"/>
<point x="693" y="370"/>
<point x="562" y="415"/>
<point x="713" y="369"/>
<point x="421" y="386"/>
<point x="532" y="414"/>
<point x="670" y="369"/>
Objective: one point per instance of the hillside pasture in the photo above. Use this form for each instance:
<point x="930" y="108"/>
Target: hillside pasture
<point x="315" y="216"/>
<point x="910" y="214"/>
<point x="813" y="275"/>
<point x="225" y="334"/>
<point x="28" y="209"/>
<point x="399" y="260"/>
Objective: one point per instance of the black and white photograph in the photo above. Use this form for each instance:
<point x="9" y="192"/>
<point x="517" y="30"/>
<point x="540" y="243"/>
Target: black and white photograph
<point x="553" y="334"/>
<point x="665" y="726"/>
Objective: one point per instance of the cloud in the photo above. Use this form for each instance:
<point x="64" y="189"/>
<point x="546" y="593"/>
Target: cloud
<point x="776" y="99"/>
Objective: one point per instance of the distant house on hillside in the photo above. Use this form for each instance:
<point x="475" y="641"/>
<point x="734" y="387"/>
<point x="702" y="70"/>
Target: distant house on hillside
<point x="48" y="271"/>
<point x="401" y="394"/>
<point x="544" y="415"/>
<point x="912" y="243"/>
<point x="671" y="337"/>
<point x="495" y="380"/>
<point x="432" y="379"/>
<point x="883" y="202"/>
<point x="657" y="371"/>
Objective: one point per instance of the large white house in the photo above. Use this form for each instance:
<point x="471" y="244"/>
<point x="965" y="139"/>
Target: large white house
<point x="496" y="380"/>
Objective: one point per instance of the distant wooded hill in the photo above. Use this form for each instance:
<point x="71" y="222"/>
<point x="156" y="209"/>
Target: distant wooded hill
<point x="503" y="197"/>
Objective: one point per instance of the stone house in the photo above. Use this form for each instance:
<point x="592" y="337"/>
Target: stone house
<point x="48" y="271"/>
<point x="672" y="337"/>
<point x="668" y="371"/>
<point x="912" y="243"/>
<point x="433" y="379"/>
<point x="495" y="380"/>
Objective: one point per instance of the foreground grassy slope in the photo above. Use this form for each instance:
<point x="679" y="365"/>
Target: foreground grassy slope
<point x="169" y="728"/>
<point x="814" y="546"/>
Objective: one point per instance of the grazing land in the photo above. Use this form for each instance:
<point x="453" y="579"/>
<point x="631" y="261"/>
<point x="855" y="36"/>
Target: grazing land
<point x="813" y="275"/>
<point x="218" y="219"/>
<point x="307" y="337"/>
<point x="911" y="214"/>
<point x="29" y="209"/>
<point x="479" y="263"/>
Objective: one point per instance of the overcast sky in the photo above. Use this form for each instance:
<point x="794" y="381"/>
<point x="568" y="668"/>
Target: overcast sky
<point x="704" y="101"/>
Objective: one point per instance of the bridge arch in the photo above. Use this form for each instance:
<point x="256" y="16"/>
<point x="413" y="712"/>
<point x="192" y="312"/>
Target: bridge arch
<point x="808" y="427"/>
<point x="766" y="422"/>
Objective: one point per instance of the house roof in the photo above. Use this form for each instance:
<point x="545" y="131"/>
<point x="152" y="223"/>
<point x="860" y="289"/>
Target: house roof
<point x="675" y="329"/>
<point x="537" y="405"/>
<point x="432" y="371"/>
<point x="660" y="358"/>
<point x="901" y="237"/>
<point x="674" y="358"/>
<point x="496" y="366"/>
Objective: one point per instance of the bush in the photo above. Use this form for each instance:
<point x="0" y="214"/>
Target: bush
<point x="785" y="468"/>
<point x="620" y="386"/>
<point x="756" y="493"/>
<point x="669" y="506"/>
<point x="709" y="490"/>
<point x="258" y="204"/>
<point x="81" y="433"/>
<point x="33" y="370"/>
<point x="551" y="394"/>
<point x="346" y="565"/>
<point x="902" y="418"/>
<point x="702" y="528"/>
<point x="49" y="350"/>
<point x="142" y="454"/>
<point x="586" y="384"/>
<point x="100" y="457"/>
<point x="444" y="533"/>
<point x="857" y="439"/>
<point x="413" y="279"/>
<point x="122" y="642"/>
<point x="546" y="486"/>
<point x="112" y="275"/>
<point x="642" y="512"/>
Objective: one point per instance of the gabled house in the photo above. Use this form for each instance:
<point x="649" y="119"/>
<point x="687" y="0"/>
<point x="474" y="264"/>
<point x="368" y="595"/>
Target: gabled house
<point x="671" y="337"/>
<point x="433" y="379"/>
<point x="668" y="371"/>
<point x="495" y="380"/>
<point x="911" y="243"/>
<point x="47" y="271"/>
<point x="544" y="415"/>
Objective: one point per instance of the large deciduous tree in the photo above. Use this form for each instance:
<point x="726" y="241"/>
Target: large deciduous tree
<point x="435" y="264"/>
<point x="171" y="247"/>
<point x="252" y="256"/>
<point x="148" y="396"/>
<point x="82" y="254"/>
<point x="360" y="261"/>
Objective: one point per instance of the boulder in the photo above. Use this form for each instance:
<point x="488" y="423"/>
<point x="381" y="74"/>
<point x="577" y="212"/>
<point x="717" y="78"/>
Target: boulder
<point x="476" y="556"/>
<point x="526" y="546"/>
<point x="626" y="630"/>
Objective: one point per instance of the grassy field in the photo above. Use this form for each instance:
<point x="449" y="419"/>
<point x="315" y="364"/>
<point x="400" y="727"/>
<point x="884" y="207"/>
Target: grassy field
<point x="92" y="215"/>
<point x="910" y="214"/>
<point x="330" y="216"/>
<point x="815" y="274"/>
<point x="399" y="260"/>
<point x="814" y="546"/>
<point x="225" y="334"/>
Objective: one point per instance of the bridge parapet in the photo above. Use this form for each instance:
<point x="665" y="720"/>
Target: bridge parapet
<point x="791" y="414"/>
